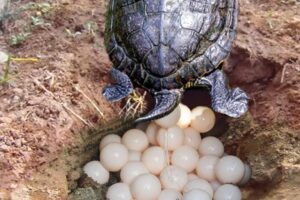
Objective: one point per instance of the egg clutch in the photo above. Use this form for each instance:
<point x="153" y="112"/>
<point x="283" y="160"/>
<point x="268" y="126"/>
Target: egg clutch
<point x="170" y="161"/>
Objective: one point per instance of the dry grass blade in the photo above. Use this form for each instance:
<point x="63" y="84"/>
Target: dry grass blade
<point x="38" y="83"/>
<point x="135" y="105"/>
<point x="91" y="102"/>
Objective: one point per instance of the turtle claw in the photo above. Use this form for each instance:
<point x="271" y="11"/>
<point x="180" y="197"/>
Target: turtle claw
<point x="121" y="89"/>
<point x="235" y="105"/>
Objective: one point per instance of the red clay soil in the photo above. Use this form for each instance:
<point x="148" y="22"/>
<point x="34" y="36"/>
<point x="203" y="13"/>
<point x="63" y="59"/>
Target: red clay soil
<point x="42" y="113"/>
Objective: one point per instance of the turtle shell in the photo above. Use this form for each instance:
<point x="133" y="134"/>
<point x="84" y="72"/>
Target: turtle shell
<point x="163" y="44"/>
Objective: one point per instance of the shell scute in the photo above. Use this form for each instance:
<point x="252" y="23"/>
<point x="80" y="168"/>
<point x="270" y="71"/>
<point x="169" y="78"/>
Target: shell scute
<point x="152" y="6"/>
<point x="185" y="43"/>
<point x="144" y="46"/>
<point x="134" y="21"/>
<point x="188" y="21"/>
<point x="151" y="28"/>
<point x="161" y="61"/>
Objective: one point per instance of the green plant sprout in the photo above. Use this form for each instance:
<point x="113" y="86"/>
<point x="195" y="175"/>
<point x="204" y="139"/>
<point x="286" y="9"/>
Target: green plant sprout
<point x="43" y="7"/>
<point x="18" y="39"/>
<point x="5" y="77"/>
<point x="91" y="27"/>
<point x="37" y="21"/>
<point x="6" y="67"/>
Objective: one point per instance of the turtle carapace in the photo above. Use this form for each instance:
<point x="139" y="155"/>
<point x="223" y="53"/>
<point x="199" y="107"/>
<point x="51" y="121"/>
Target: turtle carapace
<point x="162" y="45"/>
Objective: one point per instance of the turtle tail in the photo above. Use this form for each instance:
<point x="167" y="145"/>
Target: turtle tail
<point x="165" y="102"/>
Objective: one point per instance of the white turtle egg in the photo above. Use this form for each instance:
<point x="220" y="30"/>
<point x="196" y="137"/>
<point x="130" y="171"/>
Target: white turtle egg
<point x="192" y="177"/>
<point x="191" y="137"/>
<point x="173" y="177"/>
<point x="135" y="139"/>
<point x="154" y="158"/>
<point x="114" y="156"/>
<point x="206" y="167"/>
<point x="211" y="146"/>
<point x="170" y="138"/>
<point x="109" y="139"/>
<point x="203" y="119"/>
<point x="170" y="119"/>
<point x="246" y="176"/>
<point x="151" y="132"/>
<point x="228" y="192"/>
<point x="170" y="194"/>
<point x="96" y="171"/>
<point x="185" y="157"/>
<point x="199" y="184"/>
<point x="119" y="191"/>
<point x="196" y="194"/>
<point x="185" y="116"/>
<point x="134" y="155"/>
<point x="215" y="185"/>
<point x="145" y="187"/>
<point x="229" y="169"/>
<point x="131" y="170"/>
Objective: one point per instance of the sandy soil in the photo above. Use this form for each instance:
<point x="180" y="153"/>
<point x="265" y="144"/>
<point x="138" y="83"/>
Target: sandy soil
<point x="45" y="118"/>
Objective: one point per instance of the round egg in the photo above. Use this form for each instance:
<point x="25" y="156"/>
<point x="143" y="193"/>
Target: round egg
<point x="199" y="184"/>
<point x="170" y="194"/>
<point x="109" y="139"/>
<point x="119" y="191"/>
<point x="191" y="137"/>
<point x="135" y="139"/>
<point x="114" y="156"/>
<point x="192" y="177"/>
<point x="170" y="119"/>
<point x="96" y="171"/>
<point x="215" y="185"/>
<point x="131" y="170"/>
<point x="173" y="177"/>
<point x="145" y="187"/>
<point x="229" y="169"/>
<point x="206" y="167"/>
<point x="246" y="176"/>
<point x="196" y="194"/>
<point x="185" y="116"/>
<point x="228" y="192"/>
<point x="211" y="146"/>
<point x="134" y="155"/>
<point x="154" y="158"/>
<point x="151" y="132"/>
<point x="185" y="157"/>
<point x="170" y="138"/>
<point x="203" y="119"/>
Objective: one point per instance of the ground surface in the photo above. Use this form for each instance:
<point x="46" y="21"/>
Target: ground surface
<point x="45" y="115"/>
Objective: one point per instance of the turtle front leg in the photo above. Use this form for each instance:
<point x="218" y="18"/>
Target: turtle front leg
<point x="232" y="102"/>
<point x="122" y="88"/>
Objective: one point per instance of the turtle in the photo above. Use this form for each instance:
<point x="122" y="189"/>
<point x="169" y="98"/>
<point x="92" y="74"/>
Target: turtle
<point x="168" y="46"/>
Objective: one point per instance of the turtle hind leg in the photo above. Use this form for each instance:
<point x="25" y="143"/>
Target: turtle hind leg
<point x="165" y="102"/>
<point x="121" y="89"/>
<point x="232" y="102"/>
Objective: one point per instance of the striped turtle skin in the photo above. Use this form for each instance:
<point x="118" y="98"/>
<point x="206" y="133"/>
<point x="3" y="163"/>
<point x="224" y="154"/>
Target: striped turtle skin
<point x="164" y="45"/>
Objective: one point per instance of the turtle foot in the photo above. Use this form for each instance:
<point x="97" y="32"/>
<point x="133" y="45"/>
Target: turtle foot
<point x="165" y="102"/>
<point x="121" y="89"/>
<point x="231" y="102"/>
<point x="235" y="105"/>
